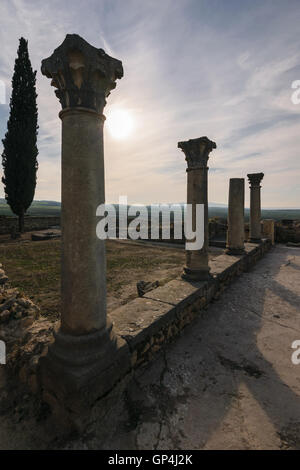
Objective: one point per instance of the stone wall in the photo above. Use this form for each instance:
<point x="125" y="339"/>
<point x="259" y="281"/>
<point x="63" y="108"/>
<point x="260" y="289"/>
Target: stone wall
<point x="215" y="228"/>
<point x="31" y="223"/>
<point x="287" y="232"/>
<point x="149" y="322"/>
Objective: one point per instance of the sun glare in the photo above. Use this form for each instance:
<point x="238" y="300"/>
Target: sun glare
<point x="120" y="124"/>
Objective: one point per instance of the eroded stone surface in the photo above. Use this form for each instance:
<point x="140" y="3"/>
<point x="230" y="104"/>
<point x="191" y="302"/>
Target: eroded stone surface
<point x="82" y="74"/>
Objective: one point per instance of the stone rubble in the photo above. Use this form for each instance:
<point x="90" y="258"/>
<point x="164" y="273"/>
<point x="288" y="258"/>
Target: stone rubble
<point x="26" y="334"/>
<point x="143" y="287"/>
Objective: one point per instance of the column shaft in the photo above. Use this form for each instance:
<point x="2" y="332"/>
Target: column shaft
<point x="197" y="260"/>
<point x="236" y="227"/>
<point x="255" y="213"/>
<point x="83" y="254"/>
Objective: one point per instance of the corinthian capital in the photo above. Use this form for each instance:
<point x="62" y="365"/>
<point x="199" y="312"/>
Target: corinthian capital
<point x="197" y="151"/>
<point x="255" y="179"/>
<point x="82" y="74"/>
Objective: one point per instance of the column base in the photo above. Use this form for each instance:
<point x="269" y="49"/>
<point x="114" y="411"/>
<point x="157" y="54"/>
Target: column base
<point x="235" y="251"/>
<point x="78" y="370"/>
<point x="196" y="274"/>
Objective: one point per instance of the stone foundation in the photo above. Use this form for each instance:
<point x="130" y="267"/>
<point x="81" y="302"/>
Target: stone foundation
<point x="148" y="323"/>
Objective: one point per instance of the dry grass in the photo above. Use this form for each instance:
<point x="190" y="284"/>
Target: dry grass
<point x="34" y="268"/>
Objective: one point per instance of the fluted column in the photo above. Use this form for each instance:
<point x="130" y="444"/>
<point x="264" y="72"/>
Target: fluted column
<point x="255" y="206"/>
<point x="196" y="154"/>
<point x="85" y="345"/>
<point x="236" y="225"/>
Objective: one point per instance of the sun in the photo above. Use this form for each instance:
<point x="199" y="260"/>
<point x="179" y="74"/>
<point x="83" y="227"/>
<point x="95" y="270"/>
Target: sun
<point x="119" y="123"/>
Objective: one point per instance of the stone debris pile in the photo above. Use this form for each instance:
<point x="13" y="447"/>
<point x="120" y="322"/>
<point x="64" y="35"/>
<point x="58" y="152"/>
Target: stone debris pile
<point x="26" y="334"/>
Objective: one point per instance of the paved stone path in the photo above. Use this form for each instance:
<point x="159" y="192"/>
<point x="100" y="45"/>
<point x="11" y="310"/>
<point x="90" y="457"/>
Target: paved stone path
<point x="228" y="382"/>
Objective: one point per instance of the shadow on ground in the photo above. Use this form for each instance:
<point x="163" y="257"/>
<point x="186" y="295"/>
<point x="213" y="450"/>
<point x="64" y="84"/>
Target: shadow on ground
<point x="228" y="382"/>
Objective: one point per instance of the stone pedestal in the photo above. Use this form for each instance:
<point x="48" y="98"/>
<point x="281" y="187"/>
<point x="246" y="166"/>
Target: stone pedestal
<point x="86" y="358"/>
<point x="255" y="206"/>
<point x="269" y="229"/>
<point x="197" y="153"/>
<point x="236" y="225"/>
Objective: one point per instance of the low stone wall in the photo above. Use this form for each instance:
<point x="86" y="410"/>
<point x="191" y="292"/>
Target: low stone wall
<point x="287" y="233"/>
<point x="215" y="229"/>
<point x="7" y="224"/>
<point x="149" y="322"/>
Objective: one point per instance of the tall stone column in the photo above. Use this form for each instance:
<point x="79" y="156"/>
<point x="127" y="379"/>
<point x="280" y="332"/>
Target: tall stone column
<point x="85" y="349"/>
<point x="255" y="206"/>
<point x="236" y="224"/>
<point x="196" y="154"/>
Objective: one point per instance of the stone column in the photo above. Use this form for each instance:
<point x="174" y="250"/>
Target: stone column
<point x="236" y="224"/>
<point x="85" y="346"/>
<point x="255" y="206"/>
<point x="196" y="154"/>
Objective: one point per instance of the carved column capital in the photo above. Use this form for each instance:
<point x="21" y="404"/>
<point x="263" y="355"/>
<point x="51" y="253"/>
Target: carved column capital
<point x="82" y="74"/>
<point x="197" y="152"/>
<point x="255" y="179"/>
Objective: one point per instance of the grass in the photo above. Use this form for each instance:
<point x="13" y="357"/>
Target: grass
<point x="34" y="268"/>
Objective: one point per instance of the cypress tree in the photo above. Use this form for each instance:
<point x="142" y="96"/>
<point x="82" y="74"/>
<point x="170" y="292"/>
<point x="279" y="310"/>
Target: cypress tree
<point x="19" y="157"/>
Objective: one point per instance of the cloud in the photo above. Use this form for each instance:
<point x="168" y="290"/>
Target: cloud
<point x="192" y="68"/>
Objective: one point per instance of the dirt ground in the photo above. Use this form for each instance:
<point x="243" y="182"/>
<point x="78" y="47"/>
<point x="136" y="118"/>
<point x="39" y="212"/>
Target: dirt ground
<point x="227" y="383"/>
<point x="34" y="268"/>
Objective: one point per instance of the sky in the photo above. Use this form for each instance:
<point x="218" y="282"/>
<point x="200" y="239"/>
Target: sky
<point x="216" y="68"/>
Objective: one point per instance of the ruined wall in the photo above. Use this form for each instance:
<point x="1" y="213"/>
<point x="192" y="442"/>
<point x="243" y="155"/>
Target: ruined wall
<point x="287" y="231"/>
<point x="148" y="323"/>
<point x="25" y="333"/>
<point x="215" y="228"/>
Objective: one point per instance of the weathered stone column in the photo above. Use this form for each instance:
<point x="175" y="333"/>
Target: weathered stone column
<point x="236" y="224"/>
<point x="196" y="154"/>
<point x="255" y="206"/>
<point x="85" y="349"/>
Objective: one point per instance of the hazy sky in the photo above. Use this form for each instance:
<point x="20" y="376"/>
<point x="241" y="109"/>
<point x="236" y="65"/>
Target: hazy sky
<point x="220" y="68"/>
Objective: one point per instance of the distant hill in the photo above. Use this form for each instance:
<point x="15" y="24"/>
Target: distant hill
<point x="37" y="208"/>
<point x="52" y="208"/>
<point x="276" y="214"/>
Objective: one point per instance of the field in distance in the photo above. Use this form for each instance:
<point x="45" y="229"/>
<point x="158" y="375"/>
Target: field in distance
<point x="52" y="208"/>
